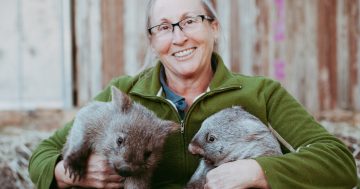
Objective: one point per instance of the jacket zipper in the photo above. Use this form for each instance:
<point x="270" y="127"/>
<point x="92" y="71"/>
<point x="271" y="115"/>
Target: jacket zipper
<point x="182" y="126"/>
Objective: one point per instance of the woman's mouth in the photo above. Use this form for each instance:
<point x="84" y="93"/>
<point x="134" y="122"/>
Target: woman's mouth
<point x="184" y="53"/>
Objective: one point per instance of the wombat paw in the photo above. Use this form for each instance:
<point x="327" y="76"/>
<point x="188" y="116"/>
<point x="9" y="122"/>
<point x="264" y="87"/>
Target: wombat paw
<point x="76" y="165"/>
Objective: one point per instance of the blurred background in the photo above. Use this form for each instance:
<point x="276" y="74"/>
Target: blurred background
<point x="56" y="55"/>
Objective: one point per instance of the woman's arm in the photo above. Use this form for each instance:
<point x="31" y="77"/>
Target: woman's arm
<point x="320" y="160"/>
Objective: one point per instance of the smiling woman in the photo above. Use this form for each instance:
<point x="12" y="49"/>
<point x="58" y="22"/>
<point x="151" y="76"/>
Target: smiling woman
<point x="189" y="83"/>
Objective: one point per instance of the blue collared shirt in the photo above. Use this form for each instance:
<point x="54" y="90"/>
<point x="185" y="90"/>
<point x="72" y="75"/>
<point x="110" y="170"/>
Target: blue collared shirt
<point x="179" y="101"/>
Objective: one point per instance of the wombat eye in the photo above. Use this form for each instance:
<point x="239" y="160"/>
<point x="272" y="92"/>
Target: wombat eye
<point x="119" y="141"/>
<point x="147" y="154"/>
<point x="211" y="138"/>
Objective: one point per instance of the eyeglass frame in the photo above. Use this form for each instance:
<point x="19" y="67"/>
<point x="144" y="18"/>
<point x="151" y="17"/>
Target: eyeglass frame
<point x="203" y="17"/>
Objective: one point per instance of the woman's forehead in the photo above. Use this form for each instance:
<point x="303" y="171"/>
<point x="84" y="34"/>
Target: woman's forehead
<point x="174" y="10"/>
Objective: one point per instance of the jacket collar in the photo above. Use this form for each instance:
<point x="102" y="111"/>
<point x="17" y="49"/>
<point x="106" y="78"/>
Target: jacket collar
<point x="149" y="80"/>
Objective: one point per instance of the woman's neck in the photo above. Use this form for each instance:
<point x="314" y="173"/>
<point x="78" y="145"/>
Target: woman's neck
<point x="191" y="87"/>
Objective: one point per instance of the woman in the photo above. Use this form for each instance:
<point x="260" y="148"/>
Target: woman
<point x="190" y="83"/>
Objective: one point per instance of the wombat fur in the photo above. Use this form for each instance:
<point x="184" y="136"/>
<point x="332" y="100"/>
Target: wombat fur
<point x="228" y="135"/>
<point x="130" y="136"/>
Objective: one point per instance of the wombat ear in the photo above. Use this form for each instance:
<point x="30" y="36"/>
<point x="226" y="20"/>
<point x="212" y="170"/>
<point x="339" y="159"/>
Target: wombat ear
<point x="166" y="128"/>
<point x="120" y="99"/>
<point x="169" y="127"/>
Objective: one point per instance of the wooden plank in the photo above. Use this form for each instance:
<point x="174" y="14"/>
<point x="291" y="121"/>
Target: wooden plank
<point x="301" y="61"/>
<point x="89" y="49"/>
<point x="225" y="19"/>
<point x="327" y="53"/>
<point x="342" y="55"/>
<point x="235" y="43"/>
<point x="135" y="35"/>
<point x="356" y="85"/>
<point x="262" y="45"/>
<point x="278" y="65"/>
<point x="42" y="79"/>
<point x="112" y="12"/>
<point x="353" y="15"/>
<point x="247" y="33"/>
<point x="10" y="59"/>
<point x="311" y="74"/>
<point x="66" y="53"/>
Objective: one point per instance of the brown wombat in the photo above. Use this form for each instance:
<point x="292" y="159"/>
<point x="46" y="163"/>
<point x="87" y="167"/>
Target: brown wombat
<point x="228" y="135"/>
<point x="130" y="136"/>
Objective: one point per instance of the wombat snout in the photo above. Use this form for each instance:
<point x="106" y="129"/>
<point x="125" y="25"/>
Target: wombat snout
<point x="195" y="149"/>
<point x="125" y="171"/>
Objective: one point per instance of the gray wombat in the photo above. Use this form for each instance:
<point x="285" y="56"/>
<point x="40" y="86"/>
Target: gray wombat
<point x="130" y="136"/>
<point x="229" y="135"/>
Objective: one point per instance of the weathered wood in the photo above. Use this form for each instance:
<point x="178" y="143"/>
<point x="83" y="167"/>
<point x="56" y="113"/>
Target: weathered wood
<point x="235" y="42"/>
<point x="35" y="60"/>
<point x="89" y="49"/>
<point x="10" y="59"/>
<point x="301" y="56"/>
<point x="311" y="47"/>
<point x="112" y="17"/>
<point x="353" y="15"/>
<point x="136" y="42"/>
<point x="263" y="45"/>
<point x="327" y="53"/>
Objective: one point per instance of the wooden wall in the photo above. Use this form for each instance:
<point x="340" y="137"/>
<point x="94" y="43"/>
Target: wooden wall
<point x="35" y="54"/>
<point x="311" y="46"/>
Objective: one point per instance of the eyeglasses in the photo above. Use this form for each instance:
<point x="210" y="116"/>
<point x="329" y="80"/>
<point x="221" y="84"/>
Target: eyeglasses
<point x="186" y="25"/>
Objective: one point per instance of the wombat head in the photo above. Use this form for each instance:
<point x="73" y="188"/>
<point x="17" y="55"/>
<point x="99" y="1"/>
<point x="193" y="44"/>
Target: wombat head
<point x="134" y="137"/>
<point x="228" y="132"/>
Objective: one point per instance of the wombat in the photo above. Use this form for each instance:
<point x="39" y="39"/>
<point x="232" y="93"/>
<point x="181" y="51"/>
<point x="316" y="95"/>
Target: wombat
<point x="130" y="136"/>
<point x="228" y="135"/>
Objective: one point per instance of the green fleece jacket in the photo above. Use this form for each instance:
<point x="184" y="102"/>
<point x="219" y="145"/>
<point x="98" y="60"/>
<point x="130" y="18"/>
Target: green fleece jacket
<point x="320" y="159"/>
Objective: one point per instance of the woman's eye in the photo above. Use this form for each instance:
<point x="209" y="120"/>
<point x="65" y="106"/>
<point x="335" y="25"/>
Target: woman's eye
<point x="119" y="141"/>
<point x="163" y="27"/>
<point x="190" y="21"/>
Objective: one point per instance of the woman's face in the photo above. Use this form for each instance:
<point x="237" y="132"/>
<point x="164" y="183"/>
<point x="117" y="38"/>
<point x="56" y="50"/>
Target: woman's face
<point x="184" y="54"/>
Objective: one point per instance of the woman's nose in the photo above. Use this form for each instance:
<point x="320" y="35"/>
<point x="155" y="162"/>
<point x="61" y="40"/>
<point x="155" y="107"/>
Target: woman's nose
<point x="179" y="37"/>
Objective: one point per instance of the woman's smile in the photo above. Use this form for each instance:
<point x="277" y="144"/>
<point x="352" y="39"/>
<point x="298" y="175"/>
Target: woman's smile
<point x="184" y="54"/>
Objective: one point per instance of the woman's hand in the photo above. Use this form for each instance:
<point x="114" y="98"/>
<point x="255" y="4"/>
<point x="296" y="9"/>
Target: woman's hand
<point x="98" y="175"/>
<point x="238" y="174"/>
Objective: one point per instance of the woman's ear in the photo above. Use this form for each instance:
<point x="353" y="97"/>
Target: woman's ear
<point x="216" y="29"/>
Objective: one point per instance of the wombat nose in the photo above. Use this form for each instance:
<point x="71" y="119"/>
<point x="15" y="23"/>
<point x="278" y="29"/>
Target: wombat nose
<point x="194" y="149"/>
<point x="125" y="171"/>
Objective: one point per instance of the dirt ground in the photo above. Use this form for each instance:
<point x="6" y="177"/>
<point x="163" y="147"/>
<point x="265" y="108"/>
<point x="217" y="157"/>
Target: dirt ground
<point x="21" y="132"/>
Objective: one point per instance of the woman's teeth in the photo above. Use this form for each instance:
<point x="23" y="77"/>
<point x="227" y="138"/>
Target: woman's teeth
<point x="184" y="52"/>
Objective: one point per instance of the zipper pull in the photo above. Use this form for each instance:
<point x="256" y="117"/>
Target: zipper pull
<point x="182" y="126"/>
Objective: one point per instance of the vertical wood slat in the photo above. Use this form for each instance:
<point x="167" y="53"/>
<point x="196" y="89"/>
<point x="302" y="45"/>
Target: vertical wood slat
<point x="135" y="36"/>
<point x="112" y="39"/>
<point x="301" y="52"/>
<point x="342" y="55"/>
<point x="67" y="53"/>
<point x="353" y="15"/>
<point x="263" y="44"/>
<point x="89" y="49"/>
<point x="10" y="59"/>
<point x="234" y="36"/>
<point x="278" y="64"/>
<point x="327" y="53"/>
